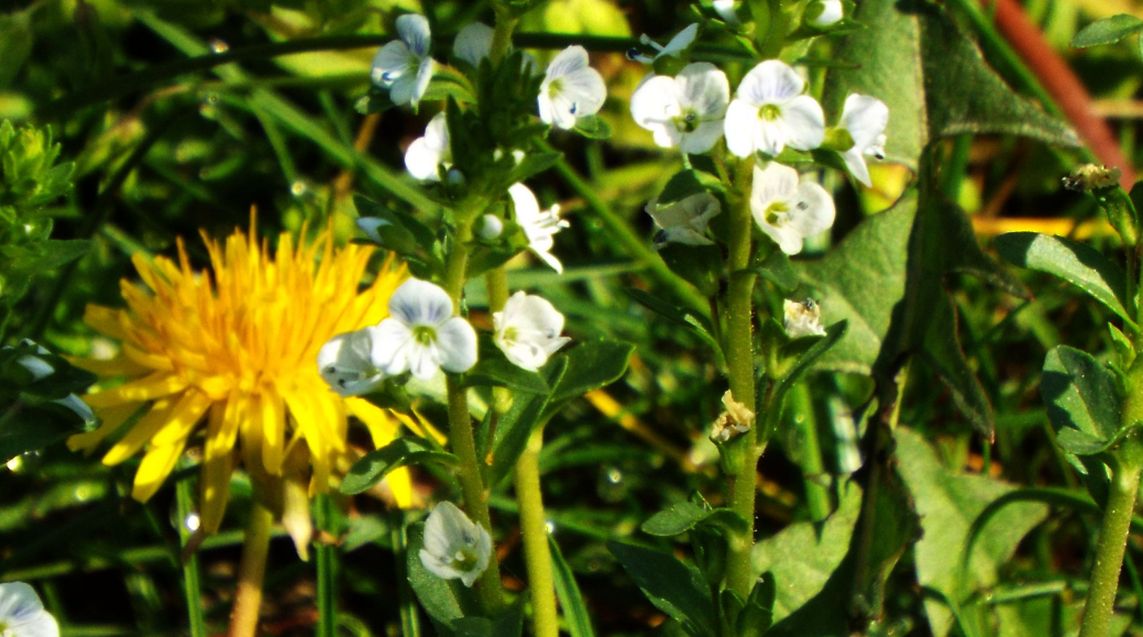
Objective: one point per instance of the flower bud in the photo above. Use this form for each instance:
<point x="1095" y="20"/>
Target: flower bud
<point x="489" y="227"/>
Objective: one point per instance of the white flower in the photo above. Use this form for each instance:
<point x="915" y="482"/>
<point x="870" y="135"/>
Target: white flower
<point x="455" y="546"/>
<point x="426" y="154"/>
<point x="829" y="13"/>
<point x="403" y="66"/>
<point x="473" y="43"/>
<point x="571" y="89"/>
<point x="538" y="225"/>
<point x="725" y="10"/>
<point x="685" y="220"/>
<point x="678" y="44"/>
<point x="803" y="318"/>
<point x="528" y="330"/>
<point x="786" y="210"/>
<point x="346" y="363"/>
<point x="421" y="335"/>
<point x="865" y="118"/>
<point x="769" y="112"/>
<point x="22" y="614"/>
<point x="686" y="110"/>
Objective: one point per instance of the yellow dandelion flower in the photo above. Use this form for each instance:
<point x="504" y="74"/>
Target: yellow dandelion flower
<point x="231" y="353"/>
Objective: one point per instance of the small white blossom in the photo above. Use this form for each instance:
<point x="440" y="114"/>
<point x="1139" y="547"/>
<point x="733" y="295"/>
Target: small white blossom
<point x="571" y="89"/>
<point x="428" y="153"/>
<point x="455" y="546"/>
<point x="403" y="66"/>
<point x="686" y="110"/>
<point x="684" y="221"/>
<point x="473" y="43"/>
<point x="787" y="210"/>
<point x="678" y="44"/>
<point x="22" y="613"/>
<point x="725" y="10"/>
<point x="769" y="112"/>
<point x="421" y="335"/>
<point x="802" y="318"/>
<point x="538" y="225"/>
<point x="346" y="363"/>
<point x="865" y="118"/>
<point x="528" y="330"/>
<point x="828" y="13"/>
<point x="489" y="227"/>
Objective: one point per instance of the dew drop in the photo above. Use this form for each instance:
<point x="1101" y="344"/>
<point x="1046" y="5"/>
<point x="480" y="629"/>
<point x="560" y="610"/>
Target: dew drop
<point x="218" y="46"/>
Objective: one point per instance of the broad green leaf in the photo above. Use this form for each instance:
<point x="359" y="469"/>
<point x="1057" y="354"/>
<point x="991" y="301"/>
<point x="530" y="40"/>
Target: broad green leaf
<point x="932" y="76"/>
<point x="1076" y="263"/>
<point x="861" y="281"/>
<point x="684" y="516"/>
<point x="1083" y="401"/>
<point x="591" y="365"/>
<point x="803" y="556"/>
<point x="516" y="425"/>
<point x="575" y="610"/>
<point x="947" y="503"/>
<point x="674" y="587"/>
<point x="1107" y="31"/>
<point x="375" y="465"/>
<point x="500" y="372"/>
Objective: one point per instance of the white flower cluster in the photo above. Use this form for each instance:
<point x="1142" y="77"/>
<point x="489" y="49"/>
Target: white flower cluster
<point x="769" y="112"/>
<point x="22" y="613"/>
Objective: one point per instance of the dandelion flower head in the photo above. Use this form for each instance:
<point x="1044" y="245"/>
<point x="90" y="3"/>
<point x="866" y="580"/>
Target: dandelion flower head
<point x="227" y="358"/>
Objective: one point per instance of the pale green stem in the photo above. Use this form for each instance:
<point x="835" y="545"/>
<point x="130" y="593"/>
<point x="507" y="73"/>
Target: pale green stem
<point x="534" y="528"/>
<point x="502" y="35"/>
<point x="251" y="572"/>
<point x="326" y="572"/>
<point x="739" y="348"/>
<point x="462" y="441"/>
<point x="192" y="587"/>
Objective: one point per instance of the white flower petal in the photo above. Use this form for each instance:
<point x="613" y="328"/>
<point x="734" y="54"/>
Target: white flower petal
<point x="705" y="88"/>
<point x="419" y="302"/>
<point x="866" y="119"/>
<point x="571" y="89"/>
<point x="424" y="358"/>
<point x="23" y="614"/>
<point x="392" y="342"/>
<point x="804" y="122"/>
<point x="775" y="182"/>
<point x="788" y="239"/>
<point x="855" y="163"/>
<point x="391" y="62"/>
<point x="725" y="10"/>
<point x="345" y="362"/>
<point x="769" y="82"/>
<point x="473" y="43"/>
<point x="413" y="29"/>
<point x="571" y="59"/>
<point x="681" y="41"/>
<point x="528" y="330"/>
<point x="456" y="345"/>
<point x="421" y="84"/>
<point x="455" y="547"/>
<point x="812" y="209"/>
<point x="524" y="203"/>
<point x="426" y="154"/>
<point x="655" y="103"/>
<point x="831" y="13"/>
<point x="740" y="127"/>
<point x="701" y="139"/>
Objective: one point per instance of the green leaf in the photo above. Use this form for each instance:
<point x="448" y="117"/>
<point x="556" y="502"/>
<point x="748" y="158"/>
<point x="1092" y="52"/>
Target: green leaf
<point x="532" y="165"/>
<point x="592" y="127"/>
<point x="375" y="465"/>
<point x="802" y="556"/>
<point x="517" y="423"/>
<point x="1083" y="401"/>
<point x="591" y="365"/>
<point x="948" y="503"/>
<point x="674" y="587"/>
<point x="1107" y="31"/>
<point x="508" y="624"/>
<point x="758" y="612"/>
<point x="1076" y="263"/>
<point x="500" y="372"/>
<point x="934" y="80"/>
<point x="685" y="184"/>
<point x="684" y="516"/>
<point x="439" y="597"/>
<point x="818" y="348"/>
<point x="15" y="45"/>
<point x="575" y="610"/>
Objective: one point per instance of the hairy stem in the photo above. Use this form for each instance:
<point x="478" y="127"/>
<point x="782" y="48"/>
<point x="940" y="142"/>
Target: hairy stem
<point x="533" y="526"/>
<point x="248" y="599"/>
<point x="739" y="349"/>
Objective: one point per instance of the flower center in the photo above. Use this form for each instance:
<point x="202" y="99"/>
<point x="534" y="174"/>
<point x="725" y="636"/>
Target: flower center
<point x="509" y="335"/>
<point x="770" y="112"/>
<point x="687" y="122"/>
<point x="465" y="558"/>
<point x="424" y="334"/>
<point x="777" y="213"/>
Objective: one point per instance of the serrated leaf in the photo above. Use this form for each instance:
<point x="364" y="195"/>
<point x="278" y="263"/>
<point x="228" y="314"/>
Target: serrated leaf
<point x="933" y="78"/>
<point x="1107" y="31"/>
<point x="375" y="465"/>
<point x="1074" y="262"/>
<point x="1083" y="401"/>
<point x="674" y="587"/>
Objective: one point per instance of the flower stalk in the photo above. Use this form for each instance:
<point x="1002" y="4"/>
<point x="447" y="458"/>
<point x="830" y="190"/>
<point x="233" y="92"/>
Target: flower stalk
<point x="739" y="348"/>
<point x="252" y="571"/>
<point x="533" y="527"/>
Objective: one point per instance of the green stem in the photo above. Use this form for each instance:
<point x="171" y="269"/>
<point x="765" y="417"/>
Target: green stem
<point x="502" y="36"/>
<point x="533" y="526"/>
<point x="251" y="571"/>
<point x="1113" y="540"/>
<point x="463" y="442"/>
<point x="805" y="421"/>
<point x="410" y="622"/>
<point x="192" y="586"/>
<point x="739" y="349"/>
<point x="326" y="573"/>
<point x="496" y="281"/>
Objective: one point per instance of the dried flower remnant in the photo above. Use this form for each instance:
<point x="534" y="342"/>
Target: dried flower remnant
<point x="735" y="420"/>
<point x="802" y="318"/>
